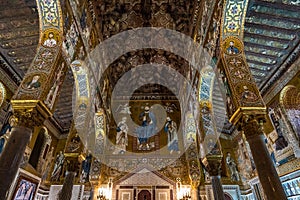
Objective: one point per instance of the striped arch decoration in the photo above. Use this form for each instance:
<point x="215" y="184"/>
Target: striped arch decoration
<point x="35" y="85"/>
<point x="82" y="108"/>
<point x="190" y="130"/>
<point x="209" y="135"/>
<point x="192" y="157"/>
<point x="49" y="12"/>
<point x="234" y="17"/>
<point x="244" y="92"/>
<point x="100" y="136"/>
<point x="290" y="97"/>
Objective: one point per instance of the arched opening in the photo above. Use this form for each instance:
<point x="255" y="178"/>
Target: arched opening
<point x="227" y="196"/>
<point x="37" y="149"/>
<point x="144" y="195"/>
<point x="290" y="99"/>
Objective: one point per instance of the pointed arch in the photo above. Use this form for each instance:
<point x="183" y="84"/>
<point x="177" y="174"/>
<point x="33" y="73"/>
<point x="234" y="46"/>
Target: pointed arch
<point x="41" y="145"/>
<point x="290" y="97"/>
<point x="290" y="102"/>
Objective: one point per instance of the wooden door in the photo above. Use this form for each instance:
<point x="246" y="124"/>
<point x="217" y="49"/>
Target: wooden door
<point x="144" y="195"/>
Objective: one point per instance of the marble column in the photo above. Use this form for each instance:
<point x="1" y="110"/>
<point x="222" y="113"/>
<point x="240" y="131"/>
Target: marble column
<point x="217" y="187"/>
<point x="66" y="191"/>
<point x="11" y="158"/>
<point x="213" y="167"/>
<point x="267" y="173"/>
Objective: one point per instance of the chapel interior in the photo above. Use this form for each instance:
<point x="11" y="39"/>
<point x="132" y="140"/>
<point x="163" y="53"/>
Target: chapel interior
<point x="150" y="100"/>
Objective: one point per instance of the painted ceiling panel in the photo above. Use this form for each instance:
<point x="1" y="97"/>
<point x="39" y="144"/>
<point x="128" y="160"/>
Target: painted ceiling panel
<point x="271" y="33"/>
<point x="262" y="51"/>
<point x="19" y="34"/>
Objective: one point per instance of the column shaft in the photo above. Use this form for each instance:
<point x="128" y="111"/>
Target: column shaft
<point x="194" y="193"/>
<point x="213" y="167"/>
<point x="217" y="188"/>
<point x="11" y="157"/>
<point x="267" y="173"/>
<point x="66" y="191"/>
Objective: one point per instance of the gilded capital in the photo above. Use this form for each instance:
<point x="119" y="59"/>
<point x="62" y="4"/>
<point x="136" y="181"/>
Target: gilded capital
<point x="30" y="113"/>
<point x="213" y="164"/>
<point x="252" y="125"/>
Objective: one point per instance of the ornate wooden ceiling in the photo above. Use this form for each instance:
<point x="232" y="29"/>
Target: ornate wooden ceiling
<point x="19" y="36"/>
<point x="117" y="16"/>
<point x="271" y="36"/>
<point x="63" y="110"/>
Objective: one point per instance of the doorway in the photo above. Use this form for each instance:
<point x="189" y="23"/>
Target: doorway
<point x="144" y="195"/>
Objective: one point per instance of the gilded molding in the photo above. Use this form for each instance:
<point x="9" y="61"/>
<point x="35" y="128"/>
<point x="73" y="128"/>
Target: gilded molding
<point x="260" y="112"/>
<point x="233" y="18"/>
<point x="194" y="167"/>
<point x="30" y="113"/>
<point x="289" y="167"/>
<point x="41" y="72"/>
<point x="213" y="164"/>
<point x="244" y="94"/>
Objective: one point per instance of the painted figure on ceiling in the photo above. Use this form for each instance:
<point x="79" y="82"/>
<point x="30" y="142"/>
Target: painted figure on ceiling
<point x="74" y="144"/>
<point x="125" y="109"/>
<point x="232" y="49"/>
<point x="121" y="138"/>
<point x="248" y="95"/>
<point x="171" y="130"/>
<point x="147" y="128"/>
<point x="50" y="42"/>
<point x="34" y="83"/>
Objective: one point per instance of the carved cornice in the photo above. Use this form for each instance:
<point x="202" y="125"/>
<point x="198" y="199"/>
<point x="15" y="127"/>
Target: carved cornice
<point x="246" y="112"/>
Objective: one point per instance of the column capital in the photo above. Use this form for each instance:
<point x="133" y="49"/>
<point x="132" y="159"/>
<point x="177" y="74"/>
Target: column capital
<point x="243" y="114"/>
<point x="252" y="125"/>
<point x="213" y="164"/>
<point x="30" y="113"/>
